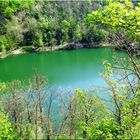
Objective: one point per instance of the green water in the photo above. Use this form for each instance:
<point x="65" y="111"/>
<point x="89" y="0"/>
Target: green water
<point x="78" y="68"/>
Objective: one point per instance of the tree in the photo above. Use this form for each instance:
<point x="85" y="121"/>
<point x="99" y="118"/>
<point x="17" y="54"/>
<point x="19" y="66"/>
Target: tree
<point x="87" y="117"/>
<point x="3" y="51"/>
<point x="14" y="32"/>
<point x="3" y="45"/>
<point x="6" y="130"/>
<point x="125" y="97"/>
<point x="3" y="87"/>
<point x="120" y="17"/>
<point x="38" y="41"/>
<point x="9" y="8"/>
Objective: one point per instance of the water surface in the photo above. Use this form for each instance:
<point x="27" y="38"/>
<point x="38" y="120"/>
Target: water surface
<point x="77" y="68"/>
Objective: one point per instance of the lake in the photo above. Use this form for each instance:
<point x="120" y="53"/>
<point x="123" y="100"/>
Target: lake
<point x="68" y="69"/>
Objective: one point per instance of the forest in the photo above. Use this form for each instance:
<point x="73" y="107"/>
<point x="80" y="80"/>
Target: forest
<point x="35" y="109"/>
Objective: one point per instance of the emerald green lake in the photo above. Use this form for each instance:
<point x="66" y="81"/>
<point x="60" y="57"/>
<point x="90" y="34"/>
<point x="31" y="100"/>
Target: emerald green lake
<point x="77" y="68"/>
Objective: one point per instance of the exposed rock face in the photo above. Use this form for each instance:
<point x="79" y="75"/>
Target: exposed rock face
<point x="73" y="46"/>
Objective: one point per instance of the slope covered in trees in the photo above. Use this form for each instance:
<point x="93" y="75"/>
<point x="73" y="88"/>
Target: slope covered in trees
<point x="33" y="24"/>
<point x="46" y="23"/>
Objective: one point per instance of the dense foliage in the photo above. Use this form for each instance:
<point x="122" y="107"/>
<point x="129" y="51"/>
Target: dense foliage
<point x="39" y="111"/>
<point x="34" y="24"/>
<point x="121" y="20"/>
<point x="46" y="24"/>
<point x="6" y="130"/>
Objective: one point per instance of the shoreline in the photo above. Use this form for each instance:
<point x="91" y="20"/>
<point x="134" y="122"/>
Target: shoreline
<point x="68" y="47"/>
